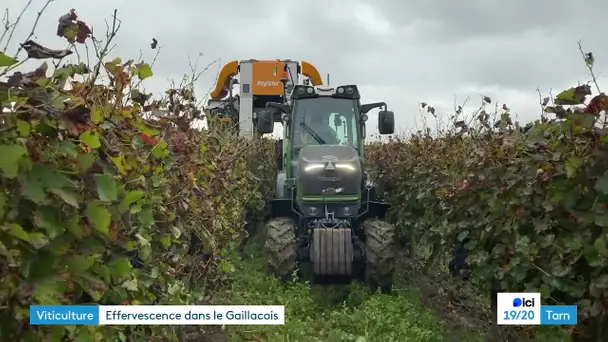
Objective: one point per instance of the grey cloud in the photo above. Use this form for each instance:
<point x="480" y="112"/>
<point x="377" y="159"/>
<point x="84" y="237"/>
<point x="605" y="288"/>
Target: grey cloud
<point x="464" y="19"/>
<point x="402" y="52"/>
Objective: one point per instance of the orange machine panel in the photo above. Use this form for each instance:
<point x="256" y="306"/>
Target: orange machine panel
<point x="267" y="78"/>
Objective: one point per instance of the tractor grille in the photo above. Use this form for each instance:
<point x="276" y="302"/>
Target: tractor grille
<point x="322" y="167"/>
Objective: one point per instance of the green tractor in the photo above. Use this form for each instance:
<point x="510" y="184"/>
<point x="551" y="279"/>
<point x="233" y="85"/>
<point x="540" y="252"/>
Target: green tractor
<point x="325" y="213"/>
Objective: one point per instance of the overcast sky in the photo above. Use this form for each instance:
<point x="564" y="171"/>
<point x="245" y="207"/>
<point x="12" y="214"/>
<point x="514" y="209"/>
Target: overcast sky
<point x="402" y="52"/>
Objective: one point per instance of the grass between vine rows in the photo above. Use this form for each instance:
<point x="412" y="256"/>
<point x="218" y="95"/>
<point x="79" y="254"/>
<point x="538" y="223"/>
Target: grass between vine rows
<point x="351" y="313"/>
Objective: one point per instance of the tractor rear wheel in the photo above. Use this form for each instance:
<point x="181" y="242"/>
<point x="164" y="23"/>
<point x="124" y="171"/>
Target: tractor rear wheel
<point x="380" y="254"/>
<point x="281" y="246"/>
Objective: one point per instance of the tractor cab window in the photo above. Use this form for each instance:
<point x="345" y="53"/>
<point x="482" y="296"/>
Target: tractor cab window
<point x="343" y="125"/>
<point x="324" y="121"/>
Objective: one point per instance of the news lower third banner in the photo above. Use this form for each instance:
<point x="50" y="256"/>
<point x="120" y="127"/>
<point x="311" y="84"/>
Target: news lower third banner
<point x="524" y="308"/>
<point x="157" y="315"/>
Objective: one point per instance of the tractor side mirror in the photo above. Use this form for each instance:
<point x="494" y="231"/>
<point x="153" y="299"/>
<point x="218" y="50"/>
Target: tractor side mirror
<point x="284" y="108"/>
<point x="369" y="106"/>
<point x="386" y="122"/>
<point x="265" y="121"/>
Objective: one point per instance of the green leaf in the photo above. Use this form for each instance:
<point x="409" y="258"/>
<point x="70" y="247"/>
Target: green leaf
<point x="165" y="241"/>
<point x="601" y="281"/>
<point x="92" y="285"/>
<point x="598" y="286"/>
<point x="33" y="189"/>
<point x="137" y="142"/>
<point x="40" y="178"/>
<point x="176" y="232"/>
<point x="145" y="252"/>
<point x="73" y="226"/>
<point x="132" y="197"/>
<point x="226" y="266"/>
<point x="144" y="70"/>
<point x="119" y="162"/>
<point x="545" y="291"/>
<point x="573" y="243"/>
<point x="51" y="178"/>
<point x="9" y="159"/>
<point x="573" y="96"/>
<point x="146" y="129"/>
<point x="68" y="148"/>
<point x="463" y="235"/>
<point x="38" y="240"/>
<point x="120" y="269"/>
<point x="161" y="150"/>
<point x="51" y="220"/>
<point x="49" y="290"/>
<point x="68" y="196"/>
<point x="601" y="185"/>
<point x="582" y="120"/>
<point x="106" y="187"/>
<point x="83" y="334"/>
<point x="104" y="273"/>
<point x="77" y="264"/>
<point x="16" y="231"/>
<point x="6" y="61"/>
<point x="146" y="218"/>
<point x="601" y="247"/>
<point x="90" y="139"/>
<point x="24" y="128"/>
<point x="85" y="161"/>
<point x="174" y="288"/>
<point x="142" y="240"/>
<point x="99" y="217"/>
<point x="595" y="259"/>
<point x="130" y="285"/>
<point x="572" y="165"/>
<point x="97" y="114"/>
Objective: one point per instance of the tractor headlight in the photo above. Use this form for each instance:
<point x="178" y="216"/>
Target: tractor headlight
<point x="312" y="167"/>
<point x="348" y="211"/>
<point x="313" y="211"/>
<point x="348" y="167"/>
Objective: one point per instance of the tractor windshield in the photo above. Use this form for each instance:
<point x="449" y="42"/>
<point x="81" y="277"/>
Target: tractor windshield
<point x="324" y="121"/>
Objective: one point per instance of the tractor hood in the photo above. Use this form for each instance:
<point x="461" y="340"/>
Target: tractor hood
<point x="323" y="169"/>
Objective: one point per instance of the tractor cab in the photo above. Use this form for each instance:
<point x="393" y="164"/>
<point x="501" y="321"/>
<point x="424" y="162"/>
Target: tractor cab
<point x="321" y="115"/>
<point x="321" y="125"/>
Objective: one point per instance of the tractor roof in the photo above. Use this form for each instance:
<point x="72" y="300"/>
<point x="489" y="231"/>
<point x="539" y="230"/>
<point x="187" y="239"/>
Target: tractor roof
<point x="343" y="92"/>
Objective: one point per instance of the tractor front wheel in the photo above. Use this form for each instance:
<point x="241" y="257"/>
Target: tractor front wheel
<point x="281" y="246"/>
<point x="380" y="254"/>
